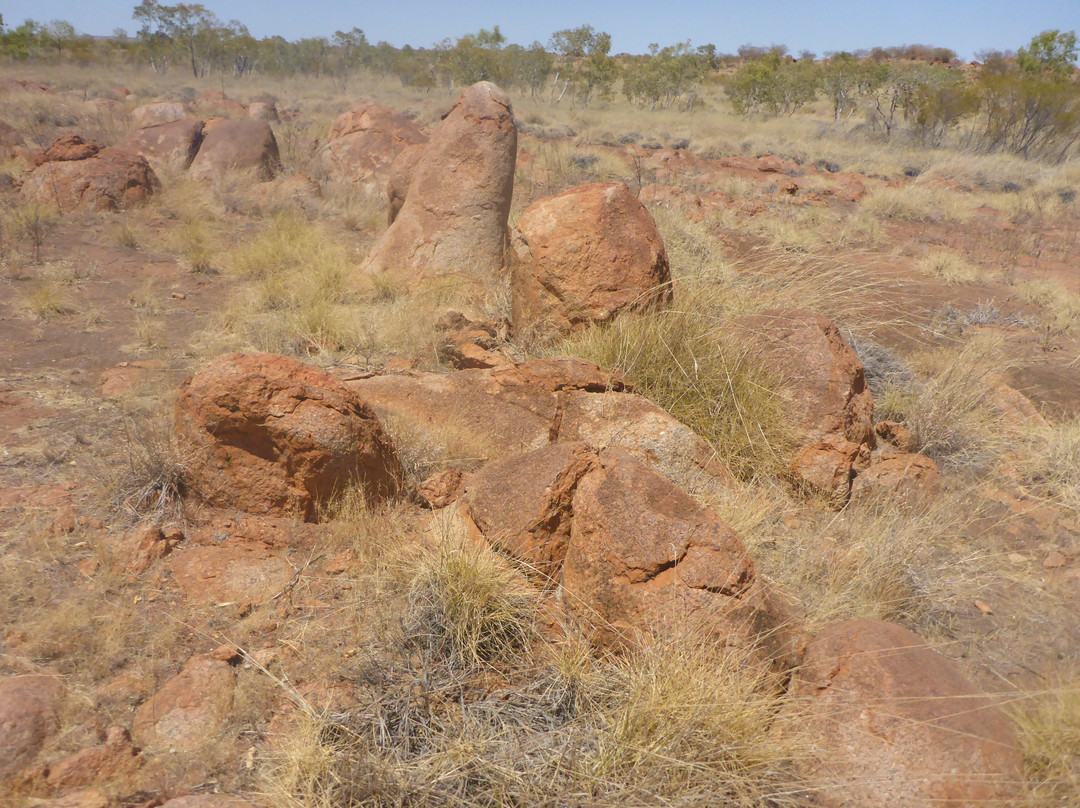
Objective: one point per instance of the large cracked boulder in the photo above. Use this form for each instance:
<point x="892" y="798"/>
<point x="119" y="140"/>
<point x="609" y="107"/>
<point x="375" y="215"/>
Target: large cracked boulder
<point x="825" y="384"/>
<point x="29" y="714"/>
<point x="896" y="723"/>
<point x="76" y="175"/>
<point x="643" y="556"/>
<point x="240" y="145"/>
<point x="453" y="221"/>
<point x="268" y="434"/>
<point x="170" y="145"/>
<point x="364" y="142"/>
<point x="585" y="256"/>
<point x="630" y="551"/>
<point x="492" y="413"/>
<point x="523" y="504"/>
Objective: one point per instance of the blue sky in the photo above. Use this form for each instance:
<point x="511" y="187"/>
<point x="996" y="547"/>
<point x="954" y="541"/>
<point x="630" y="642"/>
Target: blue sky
<point x="966" y="26"/>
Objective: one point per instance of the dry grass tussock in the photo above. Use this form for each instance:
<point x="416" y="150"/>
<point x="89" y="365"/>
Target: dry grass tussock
<point x="1048" y="724"/>
<point x="462" y="703"/>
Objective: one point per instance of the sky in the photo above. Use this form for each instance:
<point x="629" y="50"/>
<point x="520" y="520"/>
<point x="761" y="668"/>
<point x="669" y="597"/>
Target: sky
<point x="966" y="26"/>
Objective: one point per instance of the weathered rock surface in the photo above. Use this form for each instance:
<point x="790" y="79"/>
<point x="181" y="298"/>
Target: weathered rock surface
<point x="268" y="434"/>
<point x="826" y="386"/>
<point x="66" y="148"/>
<point x="400" y="177"/>
<point x="108" y="179"/>
<point x="585" y="256"/>
<point x="240" y="145"/>
<point x="158" y="112"/>
<point x="28" y="716"/>
<point x="137" y="550"/>
<point x="503" y="411"/>
<point x="522" y="504"/>
<point x="216" y="103"/>
<point x="454" y="218"/>
<point x="643" y="556"/>
<point x="364" y="142"/>
<point x="899" y="477"/>
<point x="189" y="710"/>
<point x="263" y="111"/>
<point x="170" y="145"/>
<point x="236" y="571"/>
<point x="115" y="762"/>
<point x="896" y="723"/>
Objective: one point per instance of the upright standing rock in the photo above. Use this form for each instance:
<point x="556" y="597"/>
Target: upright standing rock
<point x="454" y="218"/>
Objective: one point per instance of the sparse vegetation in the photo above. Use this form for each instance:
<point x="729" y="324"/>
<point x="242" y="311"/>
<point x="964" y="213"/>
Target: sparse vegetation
<point x="400" y="661"/>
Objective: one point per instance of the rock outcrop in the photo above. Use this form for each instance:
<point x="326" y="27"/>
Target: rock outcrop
<point x="584" y="257"/>
<point x="29" y="707"/>
<point x="75" y="175"/>
<point x="895" y="723"/>
<point x="170" y="145"/>
<point x="268" y="434"/>
<point x="453" y="221"/>
<point x="364" y="142"/>
<point x="240" y="145"/>
<point x="502" y="411"/>
<point x="190" y="709"/>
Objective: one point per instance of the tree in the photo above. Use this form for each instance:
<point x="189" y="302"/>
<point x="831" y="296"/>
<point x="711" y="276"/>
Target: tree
<point x="586" y="63"/>
<point x="530" y="66"/>
<point x="183" y="25"/>
<point x="665" y="75"/>
<point x="1051" y="54"/>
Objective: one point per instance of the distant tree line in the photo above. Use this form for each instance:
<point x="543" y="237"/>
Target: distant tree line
<point x="1027" y="103"/>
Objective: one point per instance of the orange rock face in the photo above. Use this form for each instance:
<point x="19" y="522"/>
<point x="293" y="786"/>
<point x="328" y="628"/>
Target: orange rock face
<point x="28" y="716"/>
<point x="364" y="142"/>
<point x="644" y="556"/>
<point x="108" y="180"/>
<point x="826" y="386"/>
<point x="268" y="434"/>
<point x="453" y="221"/>
<point x="170" y="145"/>
<point x="584" y="256"/>
<point x="895" y="723"/>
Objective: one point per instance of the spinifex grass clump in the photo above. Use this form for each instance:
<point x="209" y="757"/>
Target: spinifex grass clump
<point x="685" y="362"/>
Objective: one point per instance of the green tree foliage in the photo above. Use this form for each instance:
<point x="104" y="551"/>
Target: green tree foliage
<point x="1051" y="54"/>
<point x="477" y="57"/>
<point x="586" y="66"/>
<point x="186" y="26"/>
<point x="771" y="83"/>
<point x="665" y="75"/>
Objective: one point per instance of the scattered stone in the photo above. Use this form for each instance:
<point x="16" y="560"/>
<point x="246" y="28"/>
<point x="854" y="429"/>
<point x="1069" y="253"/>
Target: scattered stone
<point x="896" y="723"/>
<point x="268" y="434"/>
<point x="189" y="710"/>
<point x="9" y="139"/>
<point x="825" y="384"/>
<point x="897" y="434"/>
<point x="900" y="478"/>
<point x="443" y="488"/>
<point x="1053" y="560"/>
<point x="216" y="103"/>
<point x="64" y="522"/>
<point x="28" y="716"/>
<point x="67" y="148"/>
<point x="208" y="801"/>
<point x="584" y="257"/>
<point x="453" y="221"/>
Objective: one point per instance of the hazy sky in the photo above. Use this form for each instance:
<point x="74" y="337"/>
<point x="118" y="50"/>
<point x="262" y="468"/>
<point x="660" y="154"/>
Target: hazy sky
<point x="966" y="26"/>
